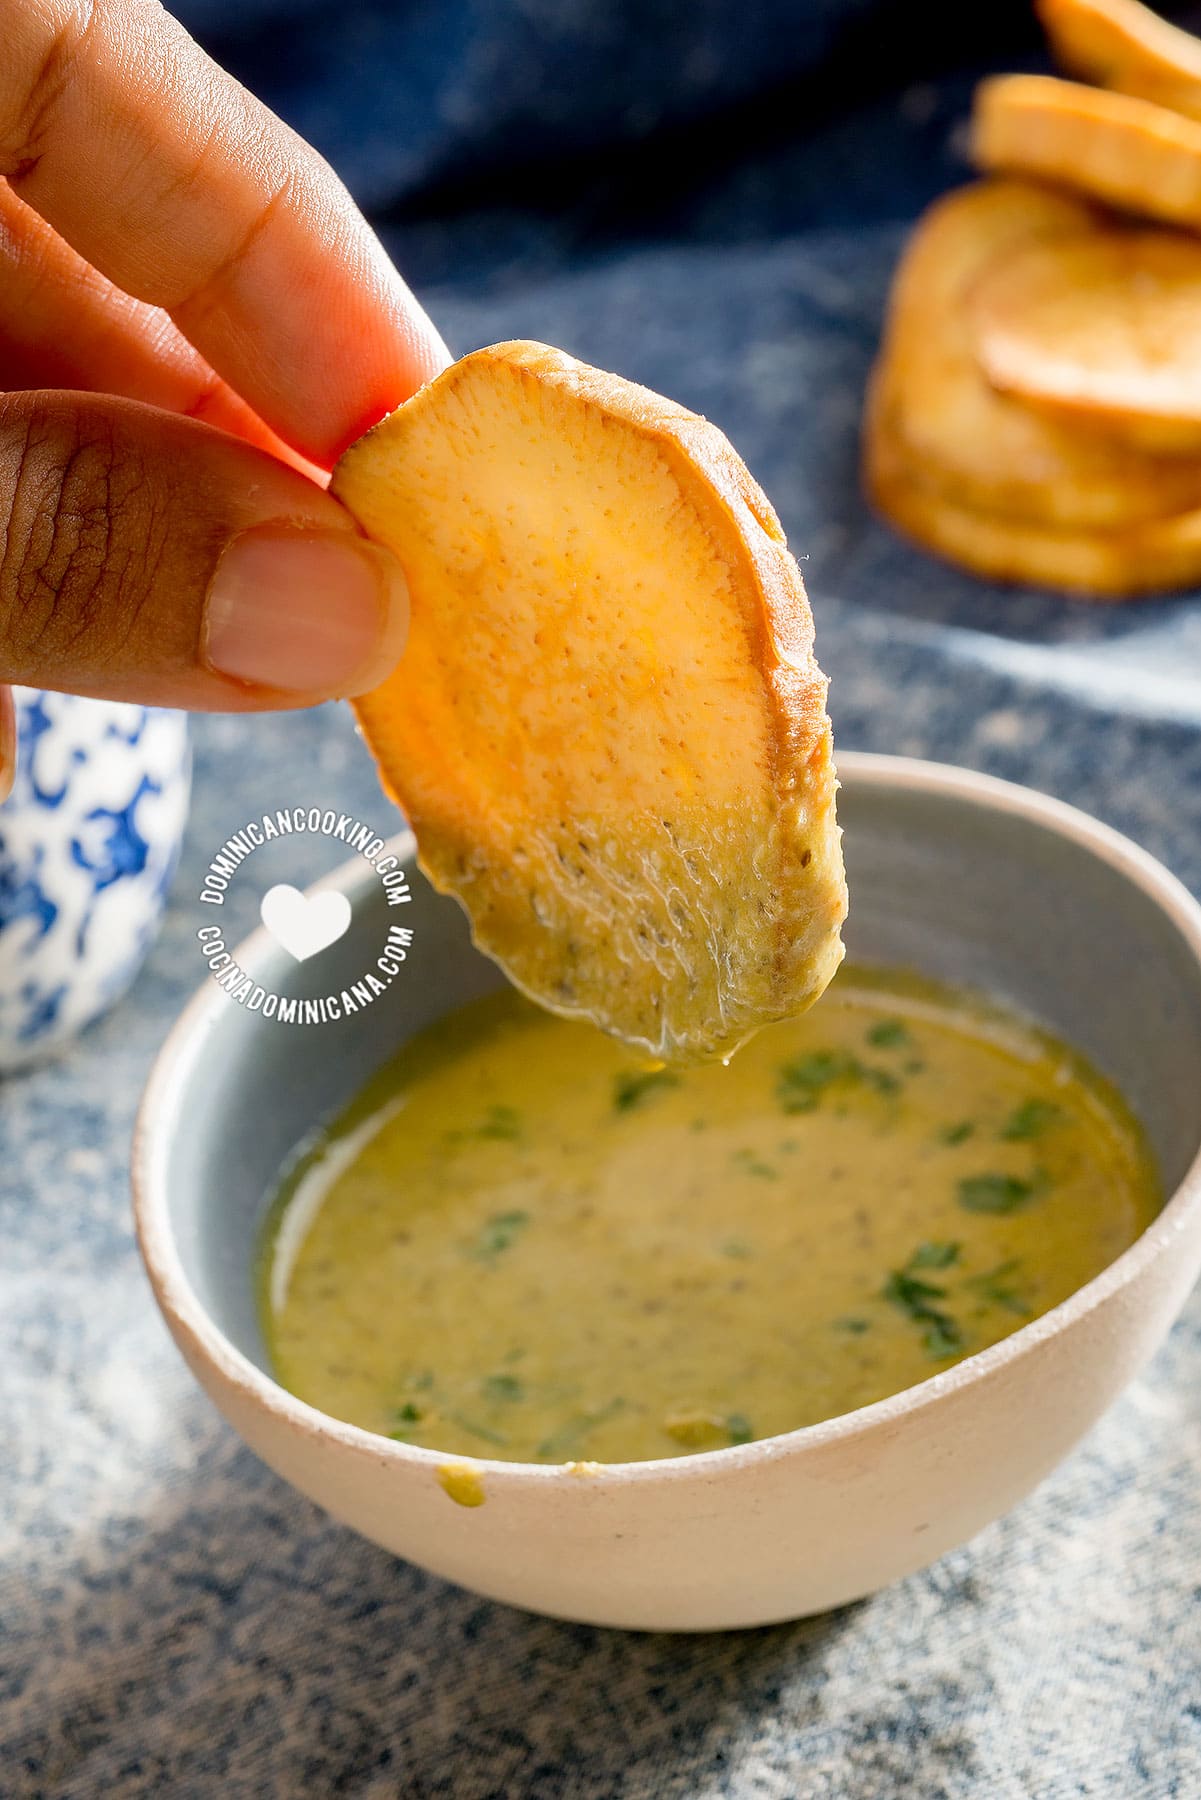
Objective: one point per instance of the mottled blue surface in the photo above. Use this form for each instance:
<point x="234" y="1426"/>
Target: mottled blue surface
<point x="713" y="206"/>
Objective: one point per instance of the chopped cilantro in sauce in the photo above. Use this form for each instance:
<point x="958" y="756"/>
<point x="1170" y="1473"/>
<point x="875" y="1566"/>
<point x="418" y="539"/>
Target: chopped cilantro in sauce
<point x="993" y="1193"/>
<point x="1029" y="1120"/>
<point x="548" y="1254"/>
<point x="631" y="1086"/>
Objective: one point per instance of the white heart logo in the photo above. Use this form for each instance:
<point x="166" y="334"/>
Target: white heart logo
<point x="304" y="924"/>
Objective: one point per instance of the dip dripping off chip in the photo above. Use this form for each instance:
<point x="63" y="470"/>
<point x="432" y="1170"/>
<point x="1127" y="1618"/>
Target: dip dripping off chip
<point x="608" y="729"/>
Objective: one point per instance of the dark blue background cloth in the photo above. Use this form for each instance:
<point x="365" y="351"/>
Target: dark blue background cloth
<point x="709" y="196"/>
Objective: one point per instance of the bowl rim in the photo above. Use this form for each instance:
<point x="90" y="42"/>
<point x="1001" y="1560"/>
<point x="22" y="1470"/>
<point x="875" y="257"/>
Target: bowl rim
<point x="162" y="1107"/>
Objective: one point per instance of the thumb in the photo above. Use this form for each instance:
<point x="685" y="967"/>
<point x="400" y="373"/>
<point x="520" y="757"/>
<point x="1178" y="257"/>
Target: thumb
<point x="151" y="558"/>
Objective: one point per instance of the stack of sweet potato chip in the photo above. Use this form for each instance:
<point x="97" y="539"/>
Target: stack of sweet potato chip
<point x="1035" y="412"/>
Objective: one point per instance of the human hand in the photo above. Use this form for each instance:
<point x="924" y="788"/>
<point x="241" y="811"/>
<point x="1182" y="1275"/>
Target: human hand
<point x="194" y="321"/>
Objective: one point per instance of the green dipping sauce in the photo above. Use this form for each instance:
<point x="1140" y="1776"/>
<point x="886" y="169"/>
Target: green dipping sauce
<point x="519" y="1243"/>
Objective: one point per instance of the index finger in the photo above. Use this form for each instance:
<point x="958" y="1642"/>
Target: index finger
<point x="182" y="188"/>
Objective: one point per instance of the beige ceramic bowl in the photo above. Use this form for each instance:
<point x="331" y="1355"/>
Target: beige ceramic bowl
<point x="964" y="878"/>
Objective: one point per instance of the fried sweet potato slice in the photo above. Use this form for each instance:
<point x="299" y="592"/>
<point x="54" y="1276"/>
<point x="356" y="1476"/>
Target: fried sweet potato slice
<point x="1122" y="44"/>
<point x="1126" y="151"/>
<point x="608" y="729"/>
<point x="981" y="448"/>
<point x="1104" y="330"/>
<point x="1156" y="557"/>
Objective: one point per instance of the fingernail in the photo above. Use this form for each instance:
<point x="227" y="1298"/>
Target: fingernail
<point x="8" y="742"/>
<point x="308" y="612"/>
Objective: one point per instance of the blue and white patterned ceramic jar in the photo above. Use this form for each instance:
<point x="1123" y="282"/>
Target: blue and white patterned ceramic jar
<point x="88" y="844"/>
